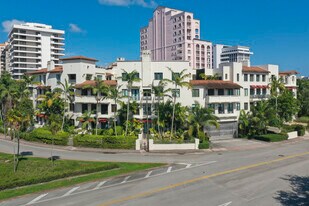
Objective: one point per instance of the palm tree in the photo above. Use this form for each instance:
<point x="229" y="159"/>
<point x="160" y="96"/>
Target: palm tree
<point x="68" y="93"/>
<point x="259" y="116"/>
<point x="130" y="77"/>
<point x="178" y="80"/>
<point x="243" y="122"/>
<point x="98" y="89"/>
<point x="199" y="118"/>
<point x="51" y="103"/>
<point x="86" y="119"/>
<point x="115" y="94"/>
<point x="276" y="87"/>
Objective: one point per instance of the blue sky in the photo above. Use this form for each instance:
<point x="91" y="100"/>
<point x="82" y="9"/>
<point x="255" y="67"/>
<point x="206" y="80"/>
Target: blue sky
<point x="276" y="30"/>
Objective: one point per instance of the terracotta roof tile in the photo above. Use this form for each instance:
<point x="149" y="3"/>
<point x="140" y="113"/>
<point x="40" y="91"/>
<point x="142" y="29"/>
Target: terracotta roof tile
<point x="92" y="83"/>
<point x="288" y="72"/>
<point x="215" y="84"/>
<point x="254" y="69"/>
<point x="56" y="70"/>
<point x="44" y="71"/>
<point x="79" y="57"/>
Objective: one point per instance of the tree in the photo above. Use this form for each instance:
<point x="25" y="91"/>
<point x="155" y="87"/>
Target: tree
<point x="276" y="88"/>
<point x="68" y="93"/>
<point x="210" y="77"/>
<point x="98" y="89"/>
<point x="288" y="106"/>
<point x="54" y="126"/>
<point x="259" y="119"/>
<point x="178" y="80"/>
<point x="51" y="103"/>
<point x="86" y="120"/>
<point x="200" y="117"/>
<point x="114" y="93"/>
<point x="303" y="96"/>
<point x="243" y="123"/>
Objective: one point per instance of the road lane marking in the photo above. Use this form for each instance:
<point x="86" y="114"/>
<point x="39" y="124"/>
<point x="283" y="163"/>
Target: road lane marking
<point x="100" y="185"/>
<point x="172" y="186"/>
<point x="226" y="204"/>
<point x="36" y="199"/>
<point x="188" y="165"/>
<point x="169" y="169"/>
<point x="70" y="191"/>
<point x="125" y="179"/>
<point x="148" y="174"/>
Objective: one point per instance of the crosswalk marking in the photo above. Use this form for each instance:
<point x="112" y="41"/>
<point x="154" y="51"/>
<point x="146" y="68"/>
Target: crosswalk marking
<point x="70" y="191"/>
<point x="125" y="179"/>
<point x="169" y="169"/>
<point x="148" y="174"/>
<point x="100" y="185"/>
<point x="36" y="199"/>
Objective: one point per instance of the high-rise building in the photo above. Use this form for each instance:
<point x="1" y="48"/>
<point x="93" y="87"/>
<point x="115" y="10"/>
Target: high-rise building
<point x="225" y="53"/>
<point x="32" y="45"/>
<point x="174" y="35"/>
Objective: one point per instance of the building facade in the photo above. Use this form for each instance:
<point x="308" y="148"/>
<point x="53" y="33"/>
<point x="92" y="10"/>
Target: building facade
<point x="32" y="45"/>
<point x="4" y="57"/>
<point x="174" y="35"/>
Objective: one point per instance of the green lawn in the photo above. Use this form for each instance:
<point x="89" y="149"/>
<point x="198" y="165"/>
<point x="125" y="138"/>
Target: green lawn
<point x="64" y="173"/>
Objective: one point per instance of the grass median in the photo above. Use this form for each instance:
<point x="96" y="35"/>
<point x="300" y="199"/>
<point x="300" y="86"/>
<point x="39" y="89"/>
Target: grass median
<point x="38" y="174"/>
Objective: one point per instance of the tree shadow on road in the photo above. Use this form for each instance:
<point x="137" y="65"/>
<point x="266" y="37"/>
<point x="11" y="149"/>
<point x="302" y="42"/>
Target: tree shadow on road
<point x="299" y="193"/>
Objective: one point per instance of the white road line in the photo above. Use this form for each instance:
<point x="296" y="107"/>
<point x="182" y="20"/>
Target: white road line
<point x="148" y="174"/>
<point x="188" y="165"/>
<point x="125" y="179"/>
<point x="169" y="169"/>
<point x="226" y="204"/>
<point x="36" y="199"/>
<point x="99" y="185"/>
<point x="70" y="191"/>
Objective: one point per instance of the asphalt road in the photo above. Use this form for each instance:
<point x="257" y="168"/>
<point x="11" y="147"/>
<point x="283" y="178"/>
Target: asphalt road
<point x="275" y="175"/>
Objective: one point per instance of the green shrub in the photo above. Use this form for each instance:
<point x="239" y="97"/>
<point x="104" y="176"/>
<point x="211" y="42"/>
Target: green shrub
<point x="45" y="136"/>
<point x="204" y="145"/>
<point x="106" y="142"/>
<point x="271" y="137"/>
<point x="300" y="129"/>
<point x="119" y="130"/>
<point x="304" y="119"/>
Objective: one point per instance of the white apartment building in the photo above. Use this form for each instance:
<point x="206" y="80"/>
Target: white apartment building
<point x="224" y="53"/>
<point x="241" y="86"/>
<point x="32" y="45"/>
<point x="174" y="35"/>
<point x="4" y="57"/>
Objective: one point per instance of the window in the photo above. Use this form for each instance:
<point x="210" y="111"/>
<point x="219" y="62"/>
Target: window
<point x="263" y="78"/>
<point x="257" y="77"/>
<point x="238" y="77"/>
<point x="176" y="92"/>
<point x="246" y="106"/>
<point x="211" y="92"/>
<point x="220" y="91"/>
<point x="175" y="75"/>
<point x="258" y="91"/>
<point x="114" y="107"/>
<point x="104" y="108"/>
<point x="230" y="92"/>
<point x="246" y="77"/>
<point x="99" y="77"/>
<point x="251" y="77"/>
<point x="147" y="93"/>
<point x="213" y="107"/>
<point x="72" y="108"/>
<point x="251" y="91"/>
<point x="84" y="92"/>
<point x="124" y="92"/>
<point x="147" y="109"/>
<point x="58" y="76"/>
<point x="264" y="91"/>
<point x="230" y="108"/>
<point x="221" y="108"/>
<point x="237" y="106"/>
<point x="88" y="76"/>
<point x="135" y="94"/>
<point x="195" y="92"/>
<point x="225" y="76"/>
<point x="196" y="31"/>
<point x="158" y="75"/>
<point x="93" y="108"/>
<point x="124" y="77"/>
<point x="246" y="92"/>
<point x="84" y="108"/>
<point x="237" y="91"/>
<point x="72" y="77"/>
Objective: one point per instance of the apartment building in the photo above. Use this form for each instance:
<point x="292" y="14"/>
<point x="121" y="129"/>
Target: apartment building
<point x="239" y="88"/>
<point x="224" y="53"/>
<point x="174" y="35"/>
<point x="4" y="57"/>
<point x="32" y="45"/>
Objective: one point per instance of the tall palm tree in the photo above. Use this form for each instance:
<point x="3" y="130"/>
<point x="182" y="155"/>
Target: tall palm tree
<point x="199" y="118"/>
<point x="98" y="89"/>
<point x="276" y="87"/>
<point x="130" y="77"/>
<point x="68" y="93"/>
<point x="115" y="94"/>
<point x="178" y="80"/>
<point x="259" y="116"/>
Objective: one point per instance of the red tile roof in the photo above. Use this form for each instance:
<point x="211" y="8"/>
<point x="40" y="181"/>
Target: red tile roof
<point x="215" y="84"/>
<point x="288" y="72"/>
<point x="254" y="69"/>
<point x="44" y="71"/>
<point x="92" y="83"/>
<point x="80" y="58"/>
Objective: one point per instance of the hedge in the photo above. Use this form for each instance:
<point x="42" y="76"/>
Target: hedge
<point x="296" y="127"/>
<point x="106" y="142"/>
<point x="204" y="145"/>
<point x="45" y="136"/>
<point x="271" y="137"/>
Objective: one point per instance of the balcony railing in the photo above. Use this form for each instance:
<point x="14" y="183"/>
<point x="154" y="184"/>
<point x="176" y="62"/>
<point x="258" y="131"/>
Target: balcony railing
<point x="260" y="96"/>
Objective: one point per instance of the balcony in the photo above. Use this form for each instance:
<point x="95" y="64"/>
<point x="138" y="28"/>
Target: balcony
<point x="222" y="99"/>
<point x="259" y="96"/>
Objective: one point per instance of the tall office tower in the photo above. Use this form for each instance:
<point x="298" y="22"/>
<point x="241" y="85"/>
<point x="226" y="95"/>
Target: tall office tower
<point x="32" y="45"/>
<point x="225" y="53"/>
<point x="175" y="35"/>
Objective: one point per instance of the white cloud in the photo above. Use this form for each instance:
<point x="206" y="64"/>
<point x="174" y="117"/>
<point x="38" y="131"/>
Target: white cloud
<point x="7" y="25"/>
<point x="143" y="3"/>
<point x="74" y="28"/>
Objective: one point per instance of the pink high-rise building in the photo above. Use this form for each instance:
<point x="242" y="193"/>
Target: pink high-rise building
<point x="175" y="35"/>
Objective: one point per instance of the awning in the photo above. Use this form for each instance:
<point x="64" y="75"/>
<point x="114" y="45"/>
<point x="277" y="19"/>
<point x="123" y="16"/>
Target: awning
<point x="103" y="120"/>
